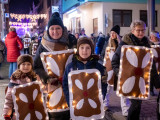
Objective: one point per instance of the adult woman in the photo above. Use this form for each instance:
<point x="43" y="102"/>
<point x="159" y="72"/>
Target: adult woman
<point x="55" y="39"/>
<point x="14" y="45"/>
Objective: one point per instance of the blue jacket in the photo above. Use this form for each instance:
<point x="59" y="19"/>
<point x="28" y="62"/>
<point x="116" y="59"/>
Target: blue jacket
<point x="92" y="63"/>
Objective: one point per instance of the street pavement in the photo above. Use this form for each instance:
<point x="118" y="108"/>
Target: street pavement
<point x="148" y="110"/>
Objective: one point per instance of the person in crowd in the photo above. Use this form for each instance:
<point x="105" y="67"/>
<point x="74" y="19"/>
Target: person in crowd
<point x="14" y="45"/>
<point x="155" y="40"/>
<point x="114" y="41"/>
<point x="154" y="37"/>
<point x="2" y="54"/>
<point x="24" y="74"/>
<point x="72" y="40"/>
<point x="76" y="35"/>
<point x="136" y="38"/>
<point x="100" y="42"/>
<point x="55" y="39"/>
<point x="82" y="34"/>
<point x="34" y="46"/>
<point x="26" y="43"/>
<point x="84" y="59"/>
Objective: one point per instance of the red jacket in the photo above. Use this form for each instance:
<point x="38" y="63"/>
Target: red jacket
<point x="14" y="45"/>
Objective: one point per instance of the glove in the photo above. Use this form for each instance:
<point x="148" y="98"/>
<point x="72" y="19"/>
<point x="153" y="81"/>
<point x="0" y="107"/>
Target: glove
<point x="7" y="118"/>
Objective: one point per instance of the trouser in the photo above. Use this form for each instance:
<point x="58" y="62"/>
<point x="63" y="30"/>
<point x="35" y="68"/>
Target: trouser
<point x="125" y="105"/>
<point x="124" y="101"/>
<point x="134" y="110"/>
<point x="64" y="115"/>
<point x="12" y="68"/>
<point x="26" y="50"/>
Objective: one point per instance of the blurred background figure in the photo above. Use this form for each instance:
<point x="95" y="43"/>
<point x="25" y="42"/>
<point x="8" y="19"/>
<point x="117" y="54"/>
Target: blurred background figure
<point x="34" y="46"/>
<point x="83" y="34"/>
<point x="26" y="43"/>
<point x="155" y="38"/>
<point x="14" y="45"/>
<point x="2" y="54"/>
<point x="77" y="35"/>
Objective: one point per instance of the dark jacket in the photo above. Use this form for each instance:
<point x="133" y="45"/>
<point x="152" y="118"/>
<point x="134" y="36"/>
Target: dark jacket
<point x="53" y="45"/>
<point x="92" y="63"/>
<point x="130" y="39"/>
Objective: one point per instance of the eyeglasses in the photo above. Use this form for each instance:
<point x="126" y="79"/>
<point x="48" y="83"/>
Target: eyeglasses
<point x="138" y="30"/>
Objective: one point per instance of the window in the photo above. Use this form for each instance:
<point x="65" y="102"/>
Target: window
<point x="78" y="25"/>
<point x="143" y="17"/>
<point x="95" y="26"/>
<point x="123" y="18"/>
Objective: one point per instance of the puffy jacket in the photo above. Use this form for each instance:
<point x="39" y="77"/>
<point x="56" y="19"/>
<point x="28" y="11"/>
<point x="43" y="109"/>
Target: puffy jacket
<point x="14" y="45"/>
<point x="92" y="63"/>
<point x="130" y="39"/>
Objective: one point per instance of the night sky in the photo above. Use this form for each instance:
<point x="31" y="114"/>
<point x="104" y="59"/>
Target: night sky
<point x="21" y="6"/>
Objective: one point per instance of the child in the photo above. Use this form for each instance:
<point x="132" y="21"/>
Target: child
<point x="24" y="74"/>
<point x="84" y="59"/>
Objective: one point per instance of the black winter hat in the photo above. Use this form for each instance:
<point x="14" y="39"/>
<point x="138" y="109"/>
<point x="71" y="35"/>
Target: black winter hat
<point x="55" y="20"/>
<point x="24" y="58"/>
<point x="116" y="29"/>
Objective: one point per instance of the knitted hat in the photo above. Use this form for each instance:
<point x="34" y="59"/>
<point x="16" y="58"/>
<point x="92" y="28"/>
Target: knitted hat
<point x="24" y="58"/>
<point x="85" y="40"/>
<point x="55" y="20"/>
<point x="116" y="29"/>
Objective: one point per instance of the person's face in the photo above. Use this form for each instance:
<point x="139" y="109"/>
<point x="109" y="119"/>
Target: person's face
<point x="153" y="38"/>
<point x="55" y="31"/>
<point x="25" y="67"/>
<point x="139" y="31"/>
<point x="77" y="36"/>
<point x="85" y="50"/>
<point x="113" y="35"/>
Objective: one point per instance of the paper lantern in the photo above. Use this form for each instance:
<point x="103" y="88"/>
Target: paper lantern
<point x="156" y="54"/>
<point x="86" y="100"/>
<point x="28" y="102"/>
<point x="34" y="48"/>
<point x="56" y="101"/>
<point x="27" y="42"/>
<point x="107" y="63"/>
<point x="134" y="73"/>
<point x="55" y="62"/>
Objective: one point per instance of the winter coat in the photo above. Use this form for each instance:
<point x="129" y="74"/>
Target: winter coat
<point x="100" y="44"/>
<point x="8" y="104"/>
<point x="2" y="51"/>
<point x="14" y="45"/>
<point x="48" y="45"/>
<point x="92" y="63"/>
<point x="130" y="39"/>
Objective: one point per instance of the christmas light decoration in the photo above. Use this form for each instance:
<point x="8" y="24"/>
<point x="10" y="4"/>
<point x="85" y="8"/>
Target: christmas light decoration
<point x="33" y="18"/>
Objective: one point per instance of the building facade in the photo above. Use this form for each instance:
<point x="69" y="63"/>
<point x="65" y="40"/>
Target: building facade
<point x="101" y="15"/>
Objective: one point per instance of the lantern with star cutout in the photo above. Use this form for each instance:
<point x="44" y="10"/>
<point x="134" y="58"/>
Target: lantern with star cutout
<point x="28" y="102"/>
<point x="107" y="63"/>
<point x="134" y="73"/>
<point x="86" y="100"/>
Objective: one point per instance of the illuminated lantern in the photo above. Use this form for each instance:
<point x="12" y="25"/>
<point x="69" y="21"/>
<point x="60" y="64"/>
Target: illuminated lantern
<point x="27" y="42"/>
<point x="134" y="73"/>
<point x="55" y="62"/>
<point x="156" y="54"/>
<point x="107" y="63"/>
<point x="56" y="101"/>
<point x="28" y="102"/>
<point x="34" y="48"/>
<point x="86" y="101"/>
